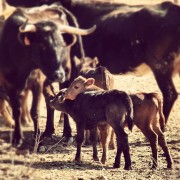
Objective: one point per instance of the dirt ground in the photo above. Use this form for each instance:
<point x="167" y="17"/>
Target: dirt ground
<point x="56" y="160"/>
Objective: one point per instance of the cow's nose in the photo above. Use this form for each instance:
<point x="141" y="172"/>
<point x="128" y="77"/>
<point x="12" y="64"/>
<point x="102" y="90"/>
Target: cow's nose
<point x="59" y="76"/>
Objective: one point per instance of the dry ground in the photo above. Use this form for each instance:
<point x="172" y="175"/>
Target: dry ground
<point x="57" y="162"/>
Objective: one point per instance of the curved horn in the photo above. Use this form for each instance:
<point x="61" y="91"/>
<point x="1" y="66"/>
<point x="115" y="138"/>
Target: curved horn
<point x="25" y="27"/>
<point x="77" y="31"/>
<point x="73" y="41"/>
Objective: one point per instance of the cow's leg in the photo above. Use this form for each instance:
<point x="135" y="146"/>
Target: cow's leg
<point x="166" y="85"/>
<point x="36" y="91"/>
<point x="26" y="117"/>
<point x="162" y="142"/>
<point x="16" y="111"/>
<point x="48" y="92"/>
<point x="8" y="120"/>
<point x="79" y="140"/>
<point x="111" y="142"/>
<point x="105" y="134"/>
<point x="93" y="139"/>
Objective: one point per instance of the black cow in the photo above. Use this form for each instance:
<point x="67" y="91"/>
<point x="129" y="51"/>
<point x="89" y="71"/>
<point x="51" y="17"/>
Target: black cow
<point x="33" y="38"/>
<point x="128" y="36"/>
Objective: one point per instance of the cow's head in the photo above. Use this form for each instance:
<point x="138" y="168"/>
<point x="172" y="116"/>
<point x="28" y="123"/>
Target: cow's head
<point x="50" y="39"/>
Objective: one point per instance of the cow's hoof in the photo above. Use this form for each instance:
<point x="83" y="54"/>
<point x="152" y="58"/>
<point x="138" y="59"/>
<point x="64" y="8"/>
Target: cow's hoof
<point x="22" y="152"/>
<point x="103" y="161"/>
<point x="17" y="142"/>
<point x="68" y="140"/>
<point x="127" y="168"/>
<point x="96" y="158"/>
<point x="170" y="166"/>
<point x="116" y="165"/>
<point x="111" y="146"/>
<point x="47" y="134"/>
<point x="77" y="159"/>
<point x="154" y="167"/>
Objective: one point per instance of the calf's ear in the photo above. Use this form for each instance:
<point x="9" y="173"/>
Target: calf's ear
<point x="89" y="82"/>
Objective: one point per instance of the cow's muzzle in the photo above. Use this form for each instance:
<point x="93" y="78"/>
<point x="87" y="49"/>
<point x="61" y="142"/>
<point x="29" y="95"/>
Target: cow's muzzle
<point x="59" y="76"/>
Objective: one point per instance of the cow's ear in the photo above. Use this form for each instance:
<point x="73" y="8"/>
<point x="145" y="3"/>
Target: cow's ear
<point x="89" y="82"/>
<point x="96" y="61"/>
<point x="77" y="61"/>
<point x="27" y="42"/>
<point x="23" y="39"/>
<point x="69" y="39"/>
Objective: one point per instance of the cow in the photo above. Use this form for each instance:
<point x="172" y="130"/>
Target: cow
<point x="146" y="108"/>
<point x="34" y="38"/>
<point x="95" y="107"/>
<point x="128" y="36"/>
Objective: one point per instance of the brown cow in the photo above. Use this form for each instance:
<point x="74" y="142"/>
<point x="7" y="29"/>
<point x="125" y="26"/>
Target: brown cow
<point x="146" y="108"/>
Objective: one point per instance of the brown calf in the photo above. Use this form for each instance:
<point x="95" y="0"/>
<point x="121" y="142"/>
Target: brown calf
<point x="146" y="108"/>
<point x="87" y="67"/>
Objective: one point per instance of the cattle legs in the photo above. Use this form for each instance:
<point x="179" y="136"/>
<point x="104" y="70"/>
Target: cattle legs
<point x="162" y="142"/>
<point x="36" y="90"/>
<point x="168" y="90"/>
<point x="105" y="135"/>
<point x="93" y="139"/>
<point x="16" y="112"/>
<point x="122" y="146"/>
<point x="67" y="128"/>
<point x="48" y="92"/>
<point x="80" y="139"/>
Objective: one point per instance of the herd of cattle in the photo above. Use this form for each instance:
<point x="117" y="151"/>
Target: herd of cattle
<point x="39" y="43"/>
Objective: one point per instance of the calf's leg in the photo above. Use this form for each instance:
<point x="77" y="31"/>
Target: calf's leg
<point x="152" y="137"/>
<point x="122" y="146"/>
<point x="79" y="140"/>
<point x="162" y="142"/>
<point x="105" y="133"/>
<point x="93" y="139"/>
<point x="67" y="132"/>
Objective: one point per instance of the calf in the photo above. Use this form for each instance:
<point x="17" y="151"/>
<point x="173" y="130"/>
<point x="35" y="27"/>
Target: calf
<point x="95" y="107"/>
<point x="87" y="67"/>
<point x="146" y="107"/>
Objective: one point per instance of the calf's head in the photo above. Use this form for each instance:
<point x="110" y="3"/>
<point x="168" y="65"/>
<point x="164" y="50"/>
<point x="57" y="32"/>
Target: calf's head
<point x="57" y="102"/>
<point x="80" y="84"/>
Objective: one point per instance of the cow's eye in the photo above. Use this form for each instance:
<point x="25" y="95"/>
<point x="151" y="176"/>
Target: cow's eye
<point x="76" y="87"/>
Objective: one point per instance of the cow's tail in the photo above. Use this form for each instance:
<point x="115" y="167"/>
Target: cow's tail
<point x="130" y="112"/>
<point x="158" y="98"/>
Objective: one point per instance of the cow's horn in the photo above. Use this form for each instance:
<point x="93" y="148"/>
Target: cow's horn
<point x="77" y="31"/>
<point x="27" y="27"/>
